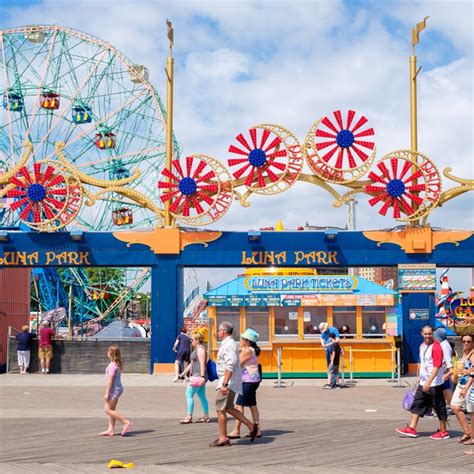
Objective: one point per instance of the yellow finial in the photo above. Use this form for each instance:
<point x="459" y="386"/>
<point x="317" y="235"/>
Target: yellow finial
<point x="416" y="31"/>
<point x="279" y="225"/>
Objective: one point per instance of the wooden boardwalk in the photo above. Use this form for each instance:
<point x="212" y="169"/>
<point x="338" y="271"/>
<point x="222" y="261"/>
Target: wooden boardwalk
<point x="51" y="428"/>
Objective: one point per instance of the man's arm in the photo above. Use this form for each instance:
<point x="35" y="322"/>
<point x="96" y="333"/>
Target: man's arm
<point x="230" y="361"/>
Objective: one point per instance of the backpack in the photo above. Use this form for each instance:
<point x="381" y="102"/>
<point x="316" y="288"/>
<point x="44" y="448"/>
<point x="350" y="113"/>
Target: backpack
<point x="211" y="370"/>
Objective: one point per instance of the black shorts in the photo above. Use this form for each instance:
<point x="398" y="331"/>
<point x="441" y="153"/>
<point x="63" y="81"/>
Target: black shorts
<point x="249" y="394"/>
<point x="433" y="399"/>
<point x="183" y="356"/>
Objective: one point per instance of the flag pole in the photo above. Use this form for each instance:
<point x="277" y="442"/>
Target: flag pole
<point x="413" y="100"/>
<point x="169" y="117"/>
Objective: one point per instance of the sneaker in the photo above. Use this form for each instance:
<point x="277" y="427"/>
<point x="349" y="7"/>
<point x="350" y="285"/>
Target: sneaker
<point x="440" y="435"/>
<point x="327" y="386"/>
<point x="175" y="379"/>
<point x="407" y="431"/>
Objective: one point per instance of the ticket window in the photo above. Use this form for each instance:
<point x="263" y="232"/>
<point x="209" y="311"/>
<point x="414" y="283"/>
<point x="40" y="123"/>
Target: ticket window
<point x="258" y="319"/>
<point x="286" y="321"/>
<point x="344" y="319"/>
<point x="373" y="321"/>
<point x="231" y="315"/>
<point x="313" y="316"/>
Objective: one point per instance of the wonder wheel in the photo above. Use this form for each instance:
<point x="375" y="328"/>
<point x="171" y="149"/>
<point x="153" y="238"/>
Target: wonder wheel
<point x="61" y="85"/>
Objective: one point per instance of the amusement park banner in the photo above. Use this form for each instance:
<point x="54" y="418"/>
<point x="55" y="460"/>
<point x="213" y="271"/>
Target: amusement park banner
<point x="420" y="277"/>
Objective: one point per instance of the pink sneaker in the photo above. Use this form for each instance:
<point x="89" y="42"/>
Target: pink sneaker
<point x="440" y="435"/>
<point x="407" y="431"/>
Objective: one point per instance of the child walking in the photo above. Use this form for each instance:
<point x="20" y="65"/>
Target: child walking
<point x="113" y="390"/>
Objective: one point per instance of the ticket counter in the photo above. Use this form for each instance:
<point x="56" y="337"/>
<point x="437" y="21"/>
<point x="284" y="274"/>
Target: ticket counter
<point x="286" y="311"/>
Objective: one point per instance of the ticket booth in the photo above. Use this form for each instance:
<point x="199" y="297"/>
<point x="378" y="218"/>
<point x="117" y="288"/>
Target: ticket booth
<point x="286" y="311"/>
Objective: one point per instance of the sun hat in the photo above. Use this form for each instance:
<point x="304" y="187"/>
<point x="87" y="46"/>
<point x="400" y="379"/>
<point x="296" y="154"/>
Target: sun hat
<point x="440" y="335"/>
<point x="323" y="327"/>
<point x="250" y="335"/>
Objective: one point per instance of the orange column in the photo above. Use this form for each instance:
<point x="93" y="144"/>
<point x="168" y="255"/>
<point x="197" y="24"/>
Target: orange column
<point x="330" y="317"/>
<point x="300" y="323"/>
<point x="359" y="322"/>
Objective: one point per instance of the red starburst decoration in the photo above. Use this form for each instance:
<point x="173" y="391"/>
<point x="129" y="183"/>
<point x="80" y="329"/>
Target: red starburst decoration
<point x="339" y="143"/>
<point x="259" y="163"/>
<point x="39" y="196"/>
<point x="397" y="187"/>
<point x="190" y="191"/>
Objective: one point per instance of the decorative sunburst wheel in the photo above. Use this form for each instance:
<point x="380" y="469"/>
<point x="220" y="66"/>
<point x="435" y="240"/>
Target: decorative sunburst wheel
<point x="47" y="198"/>
<point x="337" y="149"/>
<point x="267" y="161"/>
<point x="407" y="183"/>
<point x="200" y="191"/>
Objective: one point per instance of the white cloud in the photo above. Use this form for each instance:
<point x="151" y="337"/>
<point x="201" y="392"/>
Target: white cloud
<point x="290" y="62"/>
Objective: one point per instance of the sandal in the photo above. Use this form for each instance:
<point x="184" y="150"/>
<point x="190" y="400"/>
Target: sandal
<point x="254" y="432"/>
<point x="234" y="436"/>
<point x="465" y="437"/>
<point x="218" y="444"/>
<point x="469" y="442"/>
<point x="208" y="420"/>
<point x="186" y="421"/>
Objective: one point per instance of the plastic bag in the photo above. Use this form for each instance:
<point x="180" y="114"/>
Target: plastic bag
<point x="408" y="398"/>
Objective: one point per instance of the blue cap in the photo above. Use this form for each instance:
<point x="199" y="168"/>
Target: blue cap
<point x="440" y="335"/>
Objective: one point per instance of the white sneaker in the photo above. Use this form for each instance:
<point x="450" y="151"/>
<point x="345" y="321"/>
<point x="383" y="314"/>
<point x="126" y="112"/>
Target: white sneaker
<point x="175" y="379"/>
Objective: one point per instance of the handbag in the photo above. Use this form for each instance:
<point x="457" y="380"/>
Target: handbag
<point x="211" y="370"/>
<point x="408" y="398"/>
<point x="196" y="381"/>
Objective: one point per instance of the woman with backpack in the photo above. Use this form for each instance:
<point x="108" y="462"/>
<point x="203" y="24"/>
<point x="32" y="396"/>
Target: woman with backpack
<point x="251" y="378"/>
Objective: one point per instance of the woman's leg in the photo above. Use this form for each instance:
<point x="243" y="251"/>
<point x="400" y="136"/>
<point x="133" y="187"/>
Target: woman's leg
<point x="238" y="424"/>
<point x="201" y="392"/>
<point x="458" y="411"/>
<point x="256" y="417"/>
<point x="190" y="391"/>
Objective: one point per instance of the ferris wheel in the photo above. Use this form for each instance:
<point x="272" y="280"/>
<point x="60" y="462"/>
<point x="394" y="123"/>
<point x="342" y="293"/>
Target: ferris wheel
<point x="59" y="85"/>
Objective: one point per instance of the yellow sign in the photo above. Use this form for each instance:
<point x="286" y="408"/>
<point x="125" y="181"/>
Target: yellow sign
<point x="264" y="257"/>
<point x="44" y="258"/>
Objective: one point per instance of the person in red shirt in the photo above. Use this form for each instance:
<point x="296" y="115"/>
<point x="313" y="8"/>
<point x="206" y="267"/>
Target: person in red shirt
<point x="46" y="335"/>
<point x="429" y="393"/>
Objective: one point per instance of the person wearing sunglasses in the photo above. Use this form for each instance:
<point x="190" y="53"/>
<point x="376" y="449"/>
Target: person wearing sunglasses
<point x="461" y="400"/>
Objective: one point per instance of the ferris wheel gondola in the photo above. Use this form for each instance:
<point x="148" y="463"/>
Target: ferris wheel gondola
<point x="62" y="85"/>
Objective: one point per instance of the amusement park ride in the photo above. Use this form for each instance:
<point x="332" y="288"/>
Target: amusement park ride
<point x="86" y="145"/>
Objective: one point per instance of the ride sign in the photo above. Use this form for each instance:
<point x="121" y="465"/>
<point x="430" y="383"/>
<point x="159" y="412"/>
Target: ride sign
<point x="317" y="283"/>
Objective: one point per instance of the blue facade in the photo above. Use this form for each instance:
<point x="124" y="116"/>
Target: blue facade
<point x="232" y="249"/>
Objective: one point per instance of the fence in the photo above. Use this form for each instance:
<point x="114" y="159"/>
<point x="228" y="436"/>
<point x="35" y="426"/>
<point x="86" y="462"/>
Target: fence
<point x="395" y="363"/>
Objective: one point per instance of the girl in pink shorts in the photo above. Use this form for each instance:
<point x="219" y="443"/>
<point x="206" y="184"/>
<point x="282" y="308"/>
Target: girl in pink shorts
<point x="113" y="390"/>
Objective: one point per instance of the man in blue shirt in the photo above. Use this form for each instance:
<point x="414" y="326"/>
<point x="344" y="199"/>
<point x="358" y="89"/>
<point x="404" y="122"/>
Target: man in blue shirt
<point x="326" y="342"/>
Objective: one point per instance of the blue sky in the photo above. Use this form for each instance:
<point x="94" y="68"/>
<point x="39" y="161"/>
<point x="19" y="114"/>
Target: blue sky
<point x="289" y="62"/>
